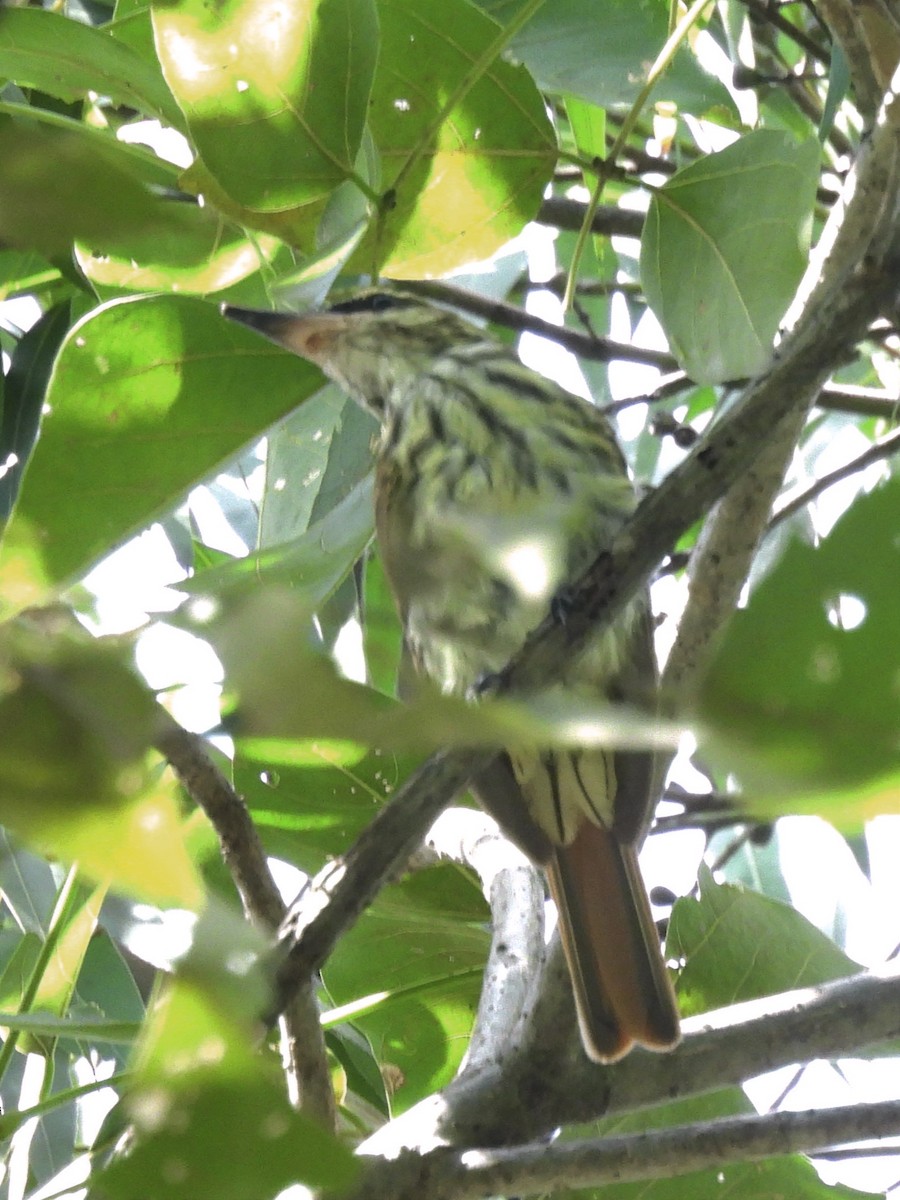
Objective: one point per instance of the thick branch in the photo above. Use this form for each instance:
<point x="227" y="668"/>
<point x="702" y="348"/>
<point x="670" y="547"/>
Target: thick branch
<point x="869" y="39"/>
<point x="659" y="1154"/>
<point x="525" y="1100"/>
<point x="514" y="890"/>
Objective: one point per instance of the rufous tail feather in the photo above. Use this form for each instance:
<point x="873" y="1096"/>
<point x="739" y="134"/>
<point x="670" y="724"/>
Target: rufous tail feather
<point x="623" y="994"/>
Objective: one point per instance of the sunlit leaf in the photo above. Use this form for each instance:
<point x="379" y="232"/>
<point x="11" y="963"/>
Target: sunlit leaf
<point x="147" y="397"/>
<point x="203" y="254"/>
<point x="75" y="778"/>
<point x="274" y="95"/>
<point x="464" y="181"/>
<point x="286" y="690"/>
<point x="201" y="1091"/>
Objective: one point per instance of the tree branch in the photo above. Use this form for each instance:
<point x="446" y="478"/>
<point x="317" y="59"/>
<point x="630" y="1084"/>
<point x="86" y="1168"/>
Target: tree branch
<point x="609" y="220"/>
<point x="659" y="1154"/>
<point x="526" y="1098"/>
<point x="585" y="345"/>
<point x="302" y="1041"/>
<point x="866" y="402"/>
<point x="514" y="889"/>
<point x="877" y="452"/>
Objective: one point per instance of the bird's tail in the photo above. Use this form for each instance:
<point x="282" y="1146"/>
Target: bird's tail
<point x="622" y="989"/>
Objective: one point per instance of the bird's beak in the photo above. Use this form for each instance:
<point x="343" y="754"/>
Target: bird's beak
<point x="310" y="335"/>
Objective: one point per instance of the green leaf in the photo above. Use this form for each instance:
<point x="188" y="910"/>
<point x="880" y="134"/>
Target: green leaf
<point x="467" y="180"/>
<point x="313" y="807"/>
<point x="75" y="778"/>
<point x="67" y="58"/>
<point x="147" y="397"/>
<point x="315" y="459"/>
<point x="600" y="50"/>
<point x="25" y="386"/>
<point x="57" y="983"/>
<point x="202" y="253"/>
<point x="739" y="945"/>
<point x="23" y="271"/>
<point x="274" y="95"/>
<point x="16" y="975"/>
<point x="707" y="231"/>
<point x="58" y="177"/>
<point x="106" y="989"/>
<point x="286" y="690"/>
<point x="312" y="565"/>
<point x="417" y="1010"/>
<point x="29" y="887"/>
<point x="211" y="1115"/>
<point x="799" y="707"/>
<point x="788" y="1175"/>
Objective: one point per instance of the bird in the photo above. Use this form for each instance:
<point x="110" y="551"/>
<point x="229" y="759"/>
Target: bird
<point x="494" y="488"/>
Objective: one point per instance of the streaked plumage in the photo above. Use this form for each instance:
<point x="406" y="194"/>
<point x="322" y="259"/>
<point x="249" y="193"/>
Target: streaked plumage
<point x="494" y="487"/>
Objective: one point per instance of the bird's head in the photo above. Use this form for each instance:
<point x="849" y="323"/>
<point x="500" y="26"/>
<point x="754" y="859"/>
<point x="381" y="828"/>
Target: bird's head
<point x="374" y="344"/>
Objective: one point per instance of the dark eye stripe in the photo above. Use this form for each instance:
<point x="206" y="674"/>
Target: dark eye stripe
<point x="372" y="302"/>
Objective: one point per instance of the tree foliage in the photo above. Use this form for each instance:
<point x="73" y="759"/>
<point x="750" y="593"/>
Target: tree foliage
<point x="723" y="201"/>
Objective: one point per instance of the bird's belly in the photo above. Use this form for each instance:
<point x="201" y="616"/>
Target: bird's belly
<point x="458" y="640"/>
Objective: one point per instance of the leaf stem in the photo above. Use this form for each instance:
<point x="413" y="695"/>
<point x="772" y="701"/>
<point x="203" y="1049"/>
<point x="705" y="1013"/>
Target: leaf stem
<point x="58" y="922"/>
<point x="604" y="167"/>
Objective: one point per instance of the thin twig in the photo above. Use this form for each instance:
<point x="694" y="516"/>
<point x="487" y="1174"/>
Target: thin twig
<point x="302" y="1041"/>
<point x="609" y="220"/>
<point x="877" y="452"/>
<point x="597" y="349"/>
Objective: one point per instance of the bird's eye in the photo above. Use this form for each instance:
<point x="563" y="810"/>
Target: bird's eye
<point x="371" y="302"/>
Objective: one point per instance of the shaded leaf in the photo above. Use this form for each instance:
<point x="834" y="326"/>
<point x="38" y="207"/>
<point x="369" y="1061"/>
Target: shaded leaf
<point x="707" y="231"/>
<point x="67" y="58"/>
<point x="23" y="398"/>
<point x="312" y="565"/>
<point x="600" y="51"/>
<point x="789" y="1175"/>
<point x="800" y="706"/>
<point x="739" y="945"/>
<point x="57" y="180"/>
